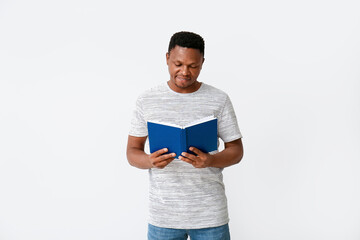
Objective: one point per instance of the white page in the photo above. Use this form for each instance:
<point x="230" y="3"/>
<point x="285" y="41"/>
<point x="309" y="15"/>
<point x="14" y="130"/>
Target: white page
<point x="166" y="124"/>
<point x="202" y="120"/>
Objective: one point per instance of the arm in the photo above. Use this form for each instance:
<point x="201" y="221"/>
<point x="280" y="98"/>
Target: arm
<point x="232" y="154"/>
<point x="138" y="158"/>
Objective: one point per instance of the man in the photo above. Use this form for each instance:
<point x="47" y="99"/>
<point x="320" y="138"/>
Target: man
<point x="187" y="196"/>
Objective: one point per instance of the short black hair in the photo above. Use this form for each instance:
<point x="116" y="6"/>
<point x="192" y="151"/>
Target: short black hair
<point x="188" y="40"/>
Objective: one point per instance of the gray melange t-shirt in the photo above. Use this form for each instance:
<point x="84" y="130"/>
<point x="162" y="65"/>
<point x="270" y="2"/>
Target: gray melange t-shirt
<point x="182" y="196"/>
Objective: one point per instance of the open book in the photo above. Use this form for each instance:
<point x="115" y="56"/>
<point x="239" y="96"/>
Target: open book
<point x="201" y="134"/>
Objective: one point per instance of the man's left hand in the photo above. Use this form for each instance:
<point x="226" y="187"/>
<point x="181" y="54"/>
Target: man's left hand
<point x="202" y="160"/>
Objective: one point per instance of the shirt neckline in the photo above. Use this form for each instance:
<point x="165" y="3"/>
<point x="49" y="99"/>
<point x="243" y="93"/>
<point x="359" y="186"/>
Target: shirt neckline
<point x="185" y="94"/>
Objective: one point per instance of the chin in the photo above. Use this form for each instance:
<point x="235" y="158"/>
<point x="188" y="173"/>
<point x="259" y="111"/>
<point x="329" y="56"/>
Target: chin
<point x="183" y="84"/>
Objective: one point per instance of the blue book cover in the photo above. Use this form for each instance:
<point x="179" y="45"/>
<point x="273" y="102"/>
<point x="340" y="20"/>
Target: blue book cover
<point x="201" y="134"/>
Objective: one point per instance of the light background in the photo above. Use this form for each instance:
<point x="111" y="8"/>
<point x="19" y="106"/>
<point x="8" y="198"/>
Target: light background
<point x="70" y="72"/>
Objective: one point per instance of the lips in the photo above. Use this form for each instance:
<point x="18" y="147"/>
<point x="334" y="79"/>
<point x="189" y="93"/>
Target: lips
<point x="181" y="78"/>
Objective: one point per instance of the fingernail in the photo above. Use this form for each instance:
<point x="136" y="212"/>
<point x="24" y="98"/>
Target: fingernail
<point x="165" y="149"/>
<point x="173" y="154"/>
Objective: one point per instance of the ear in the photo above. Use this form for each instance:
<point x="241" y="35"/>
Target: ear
<point x="203" y="60"/>
<point x="167" y="58"/>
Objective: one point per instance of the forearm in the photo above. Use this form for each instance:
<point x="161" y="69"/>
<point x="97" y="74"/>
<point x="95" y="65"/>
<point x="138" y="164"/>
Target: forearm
<point x="138" y="158"/>
<point x="232" y="154"/>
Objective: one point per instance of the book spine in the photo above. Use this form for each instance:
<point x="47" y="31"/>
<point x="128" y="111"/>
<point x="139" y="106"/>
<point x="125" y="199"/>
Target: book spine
<point x="183" y="141"/>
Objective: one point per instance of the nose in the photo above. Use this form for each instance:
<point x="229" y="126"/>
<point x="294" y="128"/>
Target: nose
<point x="185" y="71"/>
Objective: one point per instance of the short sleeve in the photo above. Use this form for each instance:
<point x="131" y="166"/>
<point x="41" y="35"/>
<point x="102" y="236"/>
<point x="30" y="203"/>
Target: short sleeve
<point x="138" y="127"/>
<point x="228" y="128"/>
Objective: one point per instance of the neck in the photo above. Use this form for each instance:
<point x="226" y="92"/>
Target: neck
<point x="190" y="89"/>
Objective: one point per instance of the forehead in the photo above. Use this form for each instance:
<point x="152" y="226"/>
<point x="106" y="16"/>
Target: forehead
<point x="185" y="54"/>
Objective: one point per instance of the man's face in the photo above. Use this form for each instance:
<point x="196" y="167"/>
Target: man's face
<point x="184" y="67"/>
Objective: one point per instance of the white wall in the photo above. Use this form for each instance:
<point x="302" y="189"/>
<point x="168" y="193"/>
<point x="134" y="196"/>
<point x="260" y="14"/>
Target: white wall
<point x="70" y="72"/>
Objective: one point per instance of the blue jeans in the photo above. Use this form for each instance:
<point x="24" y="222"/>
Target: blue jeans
<point x="214" y="233"/>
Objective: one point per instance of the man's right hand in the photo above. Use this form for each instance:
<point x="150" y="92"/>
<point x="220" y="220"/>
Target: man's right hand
<point x="160" y="160"/>
<point x="138" y="158"/>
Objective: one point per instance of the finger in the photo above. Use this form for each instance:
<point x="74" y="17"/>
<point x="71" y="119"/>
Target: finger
<point x="163" y="164"/>
<point x="186" y="160"/>
<point x="159" y="152"/>
<point x="165" y="157"/>
<point x="195" y="150"/>
<point x="189" y="156"/>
